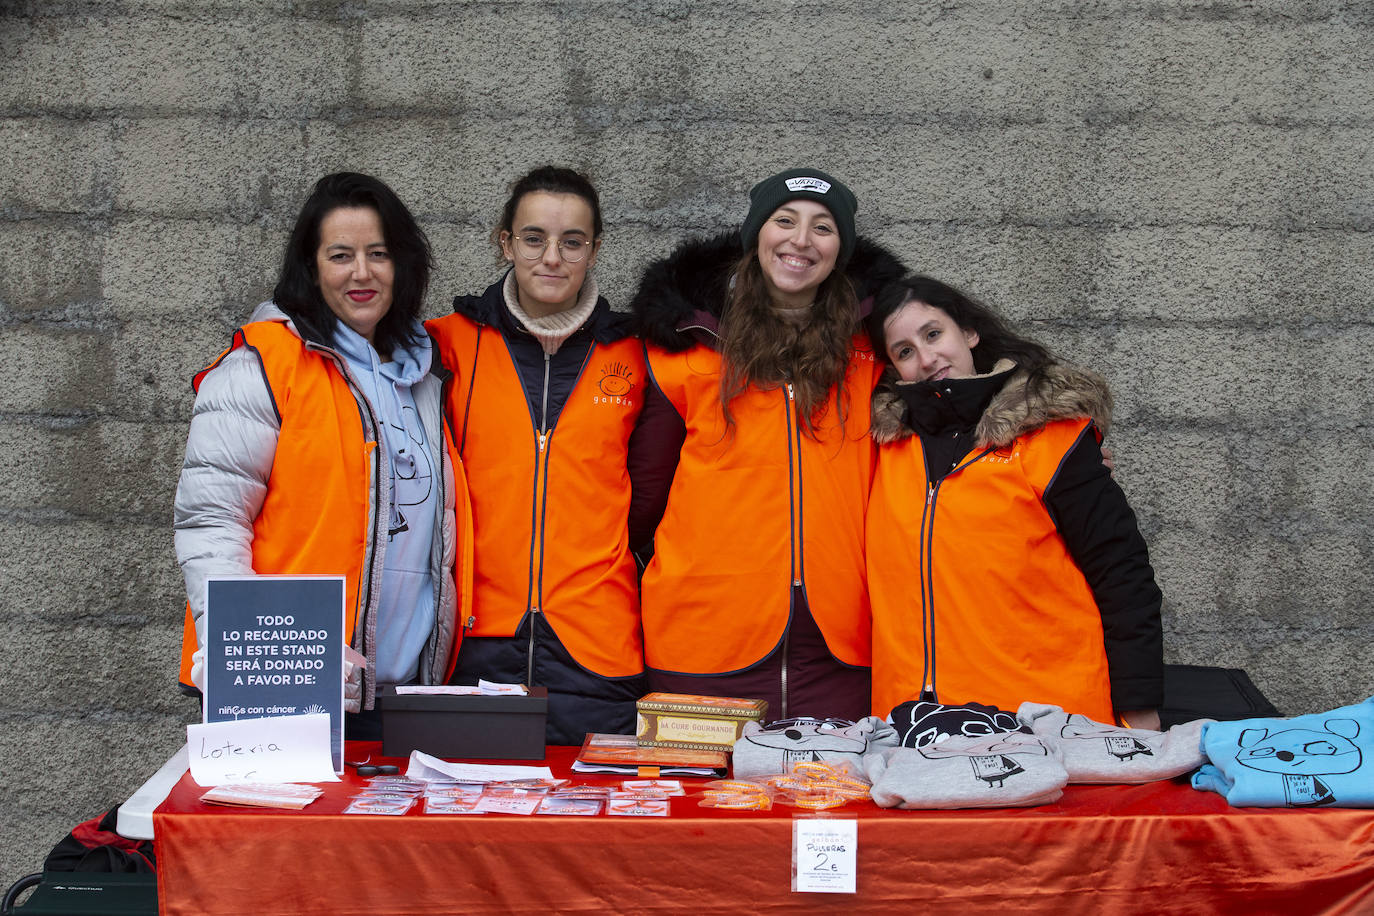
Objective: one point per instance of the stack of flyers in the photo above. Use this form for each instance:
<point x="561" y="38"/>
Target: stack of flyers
<point x="263" y="795"/>
<point x="638" y="804"/>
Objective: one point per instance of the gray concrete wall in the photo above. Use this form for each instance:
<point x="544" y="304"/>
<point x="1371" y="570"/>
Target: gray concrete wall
<point x="1178" y="193"/>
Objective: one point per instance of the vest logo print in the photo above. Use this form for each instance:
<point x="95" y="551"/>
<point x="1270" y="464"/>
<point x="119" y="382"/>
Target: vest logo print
<point x="615" y="385"/>
<point x="807" y="184"/>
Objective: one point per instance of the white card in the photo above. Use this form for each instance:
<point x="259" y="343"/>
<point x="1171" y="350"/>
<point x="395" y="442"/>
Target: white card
<point x="276" y="749"/>
<point x="824" y="855"/>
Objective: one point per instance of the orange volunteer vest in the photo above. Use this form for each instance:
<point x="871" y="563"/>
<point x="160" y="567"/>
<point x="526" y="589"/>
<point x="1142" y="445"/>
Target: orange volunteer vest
<point x="1014" y="619"/>
<point x="753" y="510"/>
<point x="550" y="511"/>
<point x="315" y="517"/>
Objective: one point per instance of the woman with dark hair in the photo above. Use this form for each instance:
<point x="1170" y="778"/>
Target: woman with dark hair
<point x="547" y="387"/>
<point x="752" y="496"/>
<point x="992" y="504"/>
<point x="318" y="445"/>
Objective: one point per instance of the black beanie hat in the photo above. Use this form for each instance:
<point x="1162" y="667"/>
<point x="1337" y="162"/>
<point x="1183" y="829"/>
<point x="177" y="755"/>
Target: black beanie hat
<point x="802" y="184"/>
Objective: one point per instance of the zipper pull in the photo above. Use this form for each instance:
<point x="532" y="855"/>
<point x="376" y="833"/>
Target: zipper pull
<point x="930" y="495"/>
<point x="543" y="441"/>
<point x="470" y="623"/>
<point x="788" y="386"/>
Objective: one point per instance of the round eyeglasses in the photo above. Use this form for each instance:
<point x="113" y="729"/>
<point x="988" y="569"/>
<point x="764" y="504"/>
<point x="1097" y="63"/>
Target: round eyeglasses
<point x="534" y="245"/>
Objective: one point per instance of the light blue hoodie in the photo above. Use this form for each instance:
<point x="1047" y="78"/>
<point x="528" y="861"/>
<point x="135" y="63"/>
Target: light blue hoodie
<point x="1303" y="762"/>
<point x="405" y="614"/>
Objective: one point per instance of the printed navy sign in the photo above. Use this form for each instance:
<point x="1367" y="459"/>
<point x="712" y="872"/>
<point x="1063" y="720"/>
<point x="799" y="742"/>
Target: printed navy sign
<point x="274" y="647"/>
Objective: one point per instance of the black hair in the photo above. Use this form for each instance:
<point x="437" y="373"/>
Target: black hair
<point x="298" y="289"/>
<point x="995" y="339"/>
<point x="550" y="179"/>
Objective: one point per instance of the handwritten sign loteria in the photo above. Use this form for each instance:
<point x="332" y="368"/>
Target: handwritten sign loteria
<point x="274" y="647"/>
<point x="278" y="749"/>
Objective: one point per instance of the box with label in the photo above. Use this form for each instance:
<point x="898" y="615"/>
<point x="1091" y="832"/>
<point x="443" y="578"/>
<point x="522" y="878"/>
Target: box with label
<point x="446" y="725"/>
<point x="690" y="721"/>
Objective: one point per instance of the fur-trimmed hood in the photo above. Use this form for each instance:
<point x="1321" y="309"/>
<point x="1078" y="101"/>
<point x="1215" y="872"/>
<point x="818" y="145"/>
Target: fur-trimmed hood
<point x="681" y="297"/>
<point x="1068" y="392"/>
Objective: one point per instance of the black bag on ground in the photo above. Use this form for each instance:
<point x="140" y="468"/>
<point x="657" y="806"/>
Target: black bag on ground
<point x="1203" y="692"/>
<point x="118" y="875"/>
<point x="94" y="845"/>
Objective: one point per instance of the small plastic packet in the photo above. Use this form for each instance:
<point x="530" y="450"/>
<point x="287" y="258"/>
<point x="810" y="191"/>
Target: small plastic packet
<point x="570" y="804"/>
<point x="736" y="795"/>
<point x="395" y="784"/>
<point x="365" y="804"/>
<point x="504" y="800"/>
<point x="455" y="790"/>
<point x="439" y="804"/>
<point x="638" y="804"/>
<point x="581" y="792"/>
<point x="663" y="786"/>
<point x="534" y="783"/>
<point x="817" y="785"/>
<point x="384" y="795"/>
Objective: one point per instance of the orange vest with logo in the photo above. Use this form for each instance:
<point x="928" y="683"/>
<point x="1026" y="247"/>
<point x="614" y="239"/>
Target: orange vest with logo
<point x="754" y="509"/>
<point x="1013" y="617"/>
<point x="550" y="510"/>
<point x="314" y="518"/>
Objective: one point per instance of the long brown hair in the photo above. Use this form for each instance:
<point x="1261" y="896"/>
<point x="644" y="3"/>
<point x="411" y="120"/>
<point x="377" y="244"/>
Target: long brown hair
<point x="758" y="347"/>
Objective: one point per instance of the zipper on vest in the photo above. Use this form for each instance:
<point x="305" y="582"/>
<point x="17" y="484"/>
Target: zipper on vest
<point x="362" y="612"/>
<point x="794" y="483"/>
<point x="927" y="558"/>
<point x="794" y="507"/>
<point x="541" y="501"/>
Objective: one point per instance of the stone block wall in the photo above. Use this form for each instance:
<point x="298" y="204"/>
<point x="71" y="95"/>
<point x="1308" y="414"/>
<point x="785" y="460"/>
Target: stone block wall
<point x="1180" y="194"/>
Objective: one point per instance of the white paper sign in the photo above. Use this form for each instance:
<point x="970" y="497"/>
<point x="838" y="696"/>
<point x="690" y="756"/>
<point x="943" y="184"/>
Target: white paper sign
<point x="424" y="766"/>
<point x="277" y="749"/>
<point x="825" y="855"/>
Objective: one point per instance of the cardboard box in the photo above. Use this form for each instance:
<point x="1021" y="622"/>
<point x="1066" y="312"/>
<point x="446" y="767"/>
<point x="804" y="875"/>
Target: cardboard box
<point x="488" y="728"/>
<point x="690" y="721"/>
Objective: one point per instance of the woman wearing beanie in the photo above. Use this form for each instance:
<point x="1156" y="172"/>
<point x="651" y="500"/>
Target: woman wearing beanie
<point x="1035" y="583"/>
<point x="752" y="486"/>
<point x="547" y="386"/>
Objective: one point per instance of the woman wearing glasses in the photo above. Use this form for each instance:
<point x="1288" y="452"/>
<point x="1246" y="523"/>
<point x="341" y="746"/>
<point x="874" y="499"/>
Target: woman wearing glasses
<point x="547" y="386"/>
<point x="758" y="410"/>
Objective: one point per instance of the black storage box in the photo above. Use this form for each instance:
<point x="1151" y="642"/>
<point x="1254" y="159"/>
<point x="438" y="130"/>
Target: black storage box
<point x="489" y="728"/>
<point x="87" y="893"/>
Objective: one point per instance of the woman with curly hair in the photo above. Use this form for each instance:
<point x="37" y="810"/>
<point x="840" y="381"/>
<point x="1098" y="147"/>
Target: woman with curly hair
<point x="751" y="490"/>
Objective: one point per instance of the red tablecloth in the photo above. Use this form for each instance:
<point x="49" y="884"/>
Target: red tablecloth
<point x="1158" y="848"/>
